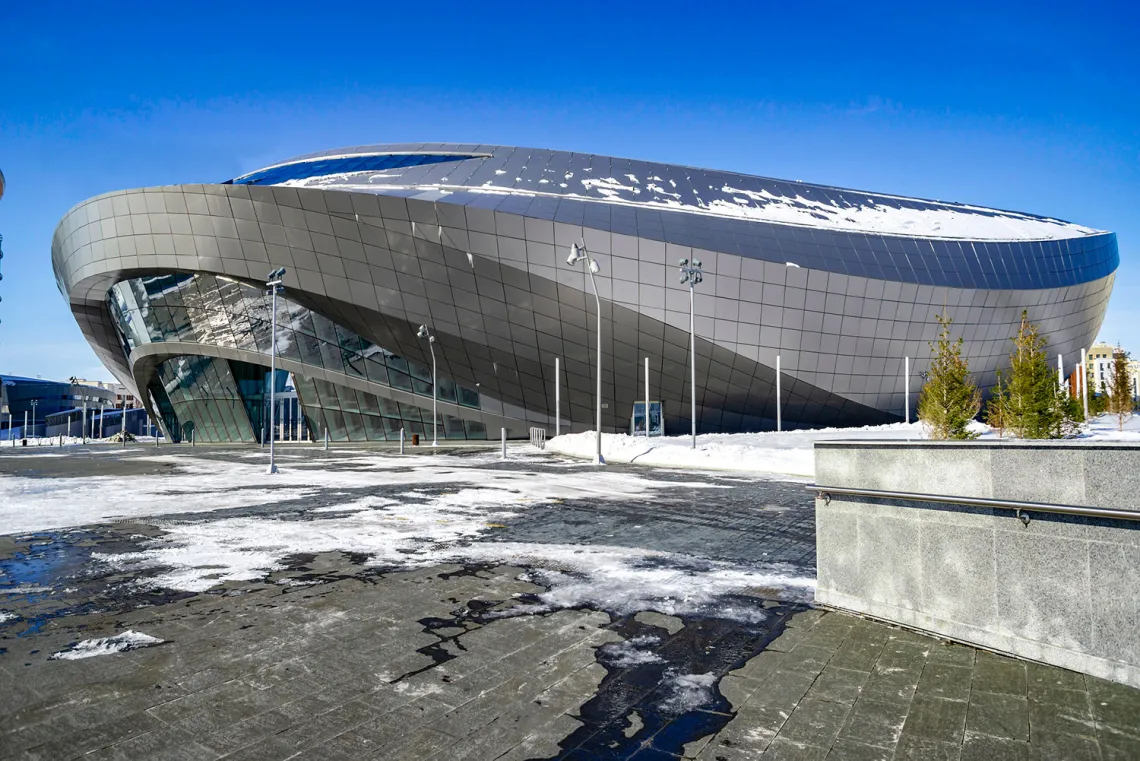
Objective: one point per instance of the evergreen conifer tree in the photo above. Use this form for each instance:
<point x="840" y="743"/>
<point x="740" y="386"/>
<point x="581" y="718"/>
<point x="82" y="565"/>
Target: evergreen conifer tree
<point x="1120" y="393"/>
<point x="949" y="398"/>
<point x="1032" y="405"/>
<point x="995" y="407"/>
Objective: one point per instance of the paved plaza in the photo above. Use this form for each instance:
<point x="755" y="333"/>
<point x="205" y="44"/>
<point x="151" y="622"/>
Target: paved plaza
<point x="454" y="606"/>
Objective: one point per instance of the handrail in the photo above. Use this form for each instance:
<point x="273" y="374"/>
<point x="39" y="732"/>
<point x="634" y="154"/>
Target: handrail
<point x="826" y="492"/>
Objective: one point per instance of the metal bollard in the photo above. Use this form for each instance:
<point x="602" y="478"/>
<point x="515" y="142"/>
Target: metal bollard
<point x="504" y="437"/>
<point x="326" y="438"/>
<point x="401" y="441"/>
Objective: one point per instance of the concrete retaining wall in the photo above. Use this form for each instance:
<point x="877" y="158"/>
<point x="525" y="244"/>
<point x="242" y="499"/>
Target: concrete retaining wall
<point x="1063" y="590"/>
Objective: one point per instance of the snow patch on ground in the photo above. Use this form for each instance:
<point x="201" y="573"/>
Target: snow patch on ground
<point x="7" y="616"/>
<point x="628" y="580"/>
<point x="688" y="692"/>
<point x="786" y="453"/>
<point x="627" y="654"/>
<point x="119" y="643"/>
<point x="417" y="530"/>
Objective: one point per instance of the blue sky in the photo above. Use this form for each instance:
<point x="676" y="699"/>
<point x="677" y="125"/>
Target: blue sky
<point x="1025" y="106"/>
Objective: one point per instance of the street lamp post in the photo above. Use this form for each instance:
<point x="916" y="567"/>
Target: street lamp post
<point x="425" y="333"/>
<point x="34" y="403"/>
<point x="273" y="283"/>
<point x="691" y="274"/>
<point x="578" y="253"/>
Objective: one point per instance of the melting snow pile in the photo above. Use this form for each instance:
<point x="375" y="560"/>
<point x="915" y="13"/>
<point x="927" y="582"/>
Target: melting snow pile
<point x="628" y="654"/>
<point x="689" y="692"/>
<point x="120" y="643"/>
<point x="788" y="453"/>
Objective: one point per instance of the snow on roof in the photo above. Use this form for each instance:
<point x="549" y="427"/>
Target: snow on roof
<point x="599" y="179"/>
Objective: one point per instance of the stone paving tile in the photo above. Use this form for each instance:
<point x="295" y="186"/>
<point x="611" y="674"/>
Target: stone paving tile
<point x="1001" y="716"/>
<point x="877" y="724"/>
<point x="983" y="747"/>
<point x="939" y="680"/>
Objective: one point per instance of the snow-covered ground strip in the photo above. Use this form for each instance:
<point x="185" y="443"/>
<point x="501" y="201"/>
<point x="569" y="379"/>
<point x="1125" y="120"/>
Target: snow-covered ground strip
<point x="119" y="643"/>
<point x="442" y="510"/>
<point x="204" y="485"/>
<point x="788" y="453"/>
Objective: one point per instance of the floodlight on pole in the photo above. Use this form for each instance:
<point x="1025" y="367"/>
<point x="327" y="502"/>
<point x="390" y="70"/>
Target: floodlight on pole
<point x="578" y="253"/>
<point x="423" y="332"/>
<point x="273" y="283"/>
<point x="691" y="273"/>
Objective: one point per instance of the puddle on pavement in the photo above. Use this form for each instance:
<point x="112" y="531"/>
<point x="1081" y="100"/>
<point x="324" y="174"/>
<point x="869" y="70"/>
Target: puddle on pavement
<point x="661" y="689"/>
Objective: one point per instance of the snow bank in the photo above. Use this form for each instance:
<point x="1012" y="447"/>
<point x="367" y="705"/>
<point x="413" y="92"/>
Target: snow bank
<point x="120" y="643"/>
<point x="788" y="453"/>
<point x="784" y="454"/>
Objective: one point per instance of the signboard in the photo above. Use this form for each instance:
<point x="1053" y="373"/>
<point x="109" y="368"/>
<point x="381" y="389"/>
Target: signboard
<point x="656" y="421"/>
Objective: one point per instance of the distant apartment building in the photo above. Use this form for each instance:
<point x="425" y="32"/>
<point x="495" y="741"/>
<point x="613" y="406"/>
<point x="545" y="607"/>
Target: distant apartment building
<point x="120" y="391"/>
<point x="1100" y="369"/>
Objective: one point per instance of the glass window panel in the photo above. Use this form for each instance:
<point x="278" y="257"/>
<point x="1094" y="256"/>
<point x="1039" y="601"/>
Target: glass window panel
<point x="446" y="389"/>
<point x="399" y="380"/>
<point x="453" y="427"/>
<point x="377" y="372"/>
<point x="330" y="357"/>
<point x="369" y="404"/>
<point x="374" y="427"/>
<point x="354" y="426"/>
<point x="388" y="408"/>
<point x="348" y="402"/>
<point x="336" y="427"/>
<point x="410" y="412"/>
<point x="468" y="397"/>
<point x="354" y="364"/>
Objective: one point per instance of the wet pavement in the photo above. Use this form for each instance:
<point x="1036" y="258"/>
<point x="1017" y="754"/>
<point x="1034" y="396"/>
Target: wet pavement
<point x="331" y="655"/>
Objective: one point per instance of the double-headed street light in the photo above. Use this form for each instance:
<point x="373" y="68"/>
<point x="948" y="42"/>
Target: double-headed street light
<point x="273" y="283"/>
<point x="578" y="253"/>
<point x="691" y="274"/>
<point x="425" y="333"/>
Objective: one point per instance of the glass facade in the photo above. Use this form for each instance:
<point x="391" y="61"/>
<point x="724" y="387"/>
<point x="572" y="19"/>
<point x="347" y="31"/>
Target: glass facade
<point x="224" y="400"/>
<point x="303" y="170"/>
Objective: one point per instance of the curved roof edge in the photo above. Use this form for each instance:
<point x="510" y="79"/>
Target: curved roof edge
<point x="543" y="173"/>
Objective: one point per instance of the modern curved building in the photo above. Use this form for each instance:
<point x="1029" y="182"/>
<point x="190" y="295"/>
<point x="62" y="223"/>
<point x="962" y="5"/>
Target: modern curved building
<point x="167" y="284"/>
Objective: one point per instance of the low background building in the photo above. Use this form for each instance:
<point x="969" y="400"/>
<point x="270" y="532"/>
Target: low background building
<point x="39" y="398"/>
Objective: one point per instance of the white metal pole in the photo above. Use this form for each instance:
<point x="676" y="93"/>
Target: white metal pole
<point x="503" y="434"/>
<point x="25" y="430"/>
<point x="434" y="392"/>
<point x="692" y="367"/>
<point x="83" y="428"/>
<point x="1060" y="372"/>
<point x="647" y="397"/>
<point x="598" y="459"/>
<point x="102" y="411"/>
<point x="123" y="427"/>
<point x="272" y="378"/>
<point x="906" y="385"/>
<point x="401" y="441"/>
<point x="557" y="400"/>
<point x="779" y="402"/>
<point x="1083" y="374"/>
